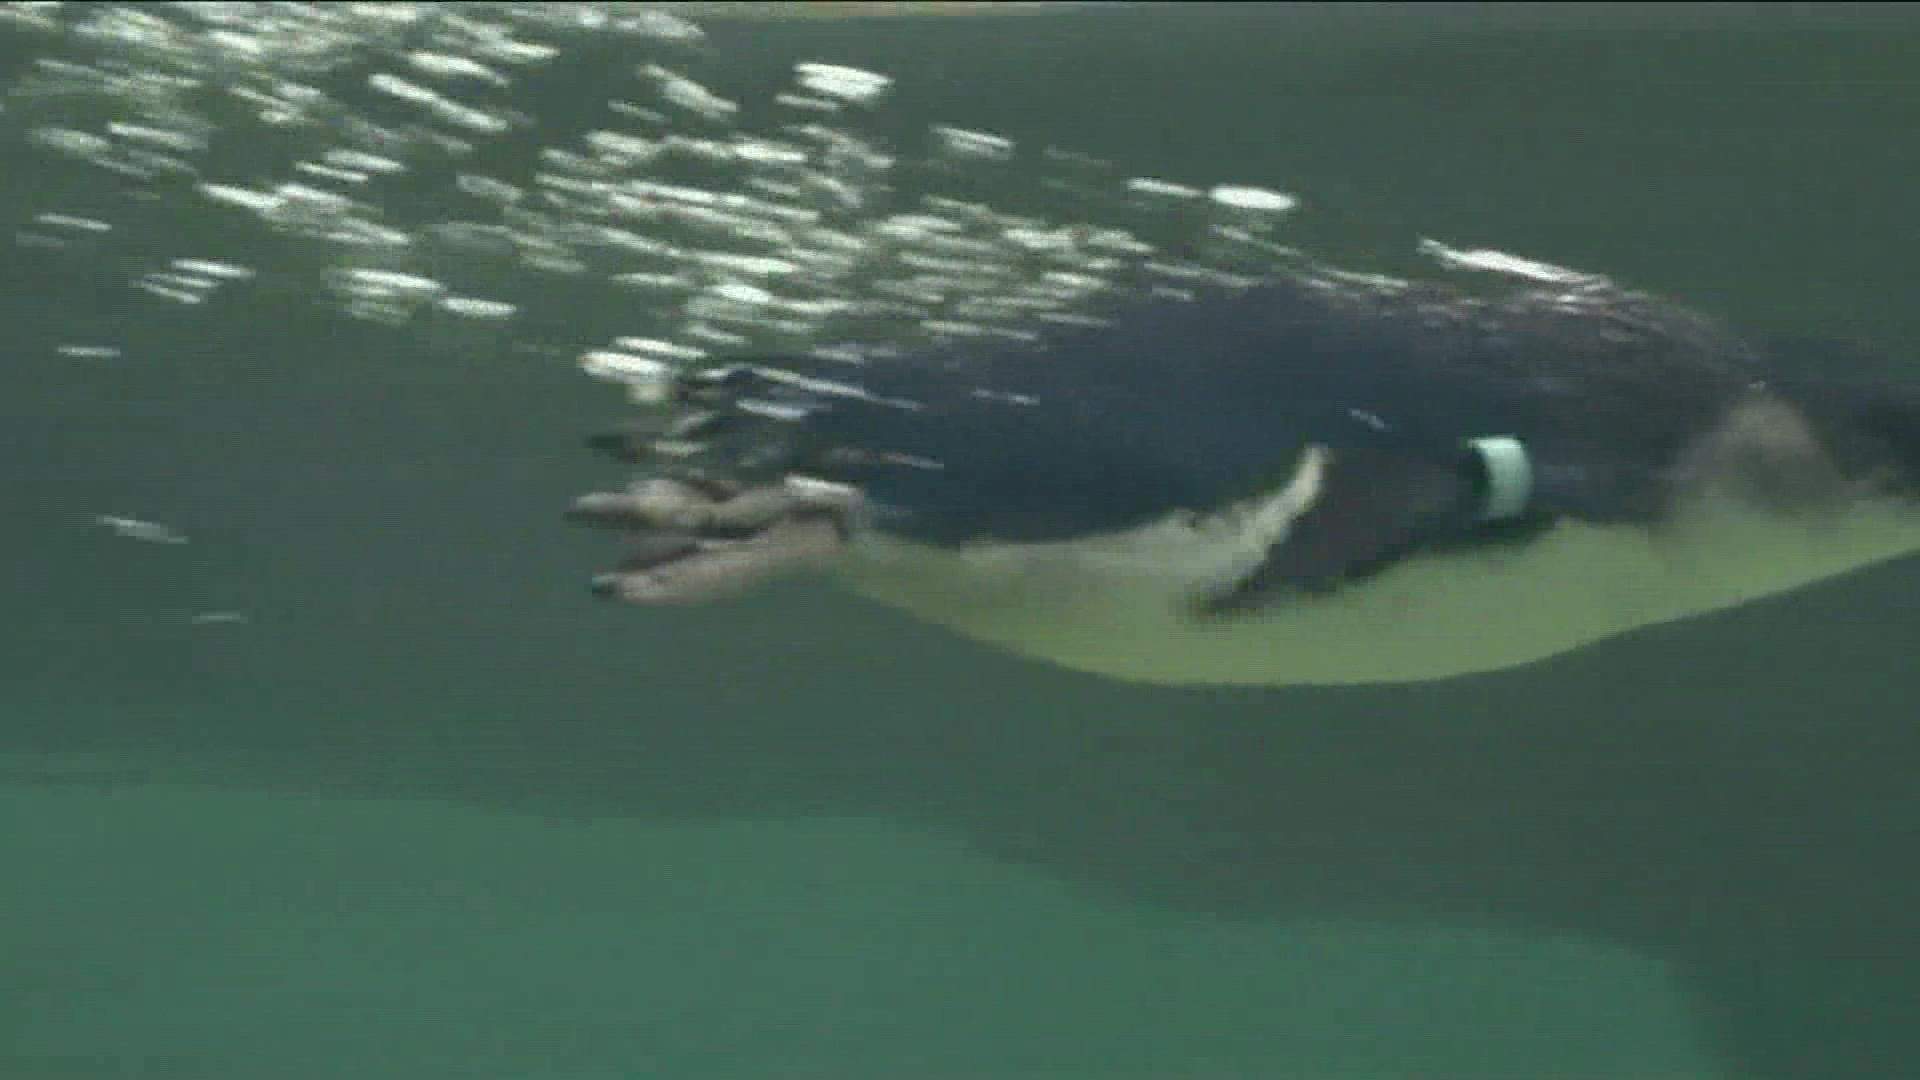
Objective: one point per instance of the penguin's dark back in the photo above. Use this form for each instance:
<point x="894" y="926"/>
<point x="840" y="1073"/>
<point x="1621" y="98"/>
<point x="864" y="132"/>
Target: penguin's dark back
<point x="1166" y="402"/>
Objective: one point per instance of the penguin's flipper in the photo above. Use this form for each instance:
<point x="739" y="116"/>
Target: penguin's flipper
<point x="1372" y="506"/>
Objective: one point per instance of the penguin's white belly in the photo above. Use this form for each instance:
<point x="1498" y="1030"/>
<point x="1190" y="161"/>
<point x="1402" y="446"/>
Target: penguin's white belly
<point x="1117" y="606"/>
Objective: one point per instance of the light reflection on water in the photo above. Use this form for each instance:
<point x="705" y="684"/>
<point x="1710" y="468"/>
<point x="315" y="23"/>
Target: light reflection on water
<point x="384" y="156"/>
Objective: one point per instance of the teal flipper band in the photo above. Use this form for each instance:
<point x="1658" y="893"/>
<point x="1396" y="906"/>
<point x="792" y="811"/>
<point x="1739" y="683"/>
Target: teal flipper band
<point x="1509" y="476"/>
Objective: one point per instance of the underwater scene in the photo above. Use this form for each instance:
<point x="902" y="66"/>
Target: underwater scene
<point x="583" y="541"/>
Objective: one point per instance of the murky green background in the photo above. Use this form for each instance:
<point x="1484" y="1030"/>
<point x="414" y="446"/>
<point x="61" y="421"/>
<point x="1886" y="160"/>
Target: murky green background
<point x="428" y="813"/>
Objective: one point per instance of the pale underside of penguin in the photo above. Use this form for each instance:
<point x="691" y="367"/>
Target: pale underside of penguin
<point x="1313" y="480"/>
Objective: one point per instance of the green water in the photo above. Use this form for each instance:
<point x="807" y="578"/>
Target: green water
<point x="231" y="936"/>
<point x="427" y="813"/>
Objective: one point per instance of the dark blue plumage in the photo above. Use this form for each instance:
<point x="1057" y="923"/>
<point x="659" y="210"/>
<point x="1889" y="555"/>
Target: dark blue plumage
<point x="1176" y="404"/>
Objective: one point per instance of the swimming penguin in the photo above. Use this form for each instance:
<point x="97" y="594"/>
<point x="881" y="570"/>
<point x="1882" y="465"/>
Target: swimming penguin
<point x="1315" y="479"/>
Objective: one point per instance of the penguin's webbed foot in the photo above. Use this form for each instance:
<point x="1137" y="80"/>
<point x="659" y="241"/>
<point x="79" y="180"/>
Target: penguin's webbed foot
<point x="687" y="545"/>
<point x="724" y="500"/>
